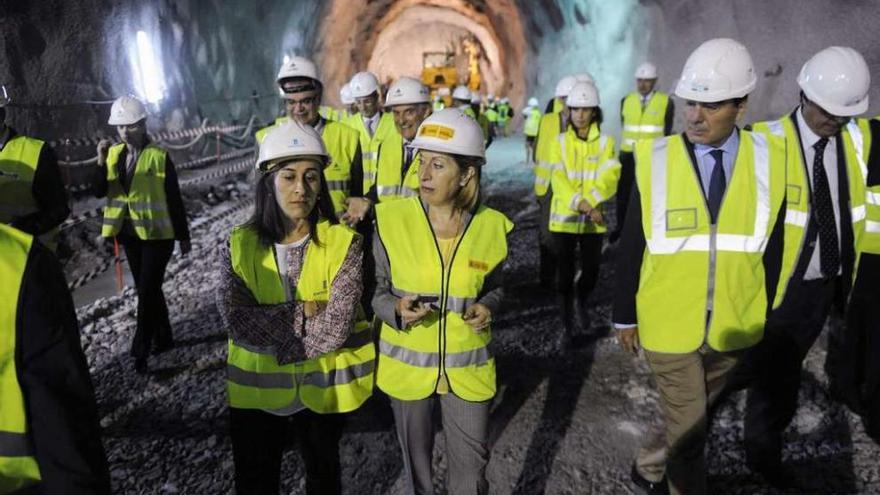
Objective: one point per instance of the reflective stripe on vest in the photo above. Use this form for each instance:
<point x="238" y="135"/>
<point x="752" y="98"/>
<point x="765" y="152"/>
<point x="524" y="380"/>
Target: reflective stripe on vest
<point x="390" y="185"/>
<point x="583" y="169"/>
<point x="338" y="381"/>
<point x="411" y="360"/>
<point x="18" y="467"/>
<point x="641" y="123"/>
<point x="145" y="204"/>
<point x="675" y="282"/>
<point x="370" y="144"/>
<point x="548" y="132"/>
<point x="798" y="202"/>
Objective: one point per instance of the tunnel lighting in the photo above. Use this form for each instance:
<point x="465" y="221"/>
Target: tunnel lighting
<point x="148" y="70"/>
<point x="286" y="58"/>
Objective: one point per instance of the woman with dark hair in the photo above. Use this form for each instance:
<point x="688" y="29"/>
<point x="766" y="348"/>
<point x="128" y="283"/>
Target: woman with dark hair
<point x="585" y="175"/>
<point x="300" y="350"/>
<point x="439" y="262"/>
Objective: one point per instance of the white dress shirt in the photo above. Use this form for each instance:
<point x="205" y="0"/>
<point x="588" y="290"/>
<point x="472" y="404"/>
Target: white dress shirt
<point x="808" y="139"/>
<point x="371" y="123"/>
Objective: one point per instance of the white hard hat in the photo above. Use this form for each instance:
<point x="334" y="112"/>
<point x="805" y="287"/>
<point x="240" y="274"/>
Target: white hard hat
<point x="533" y="102"/>
<point x="461" y="93"/>
<point x="490" y="97"/>
<point x="584" y="77"/>
<point x="837" y="79"/>
<point x="505" y="100"/>
<point x="583" y="95"/>
<point x="718" y="70"/>
<point x="290" y="140"/>
<point x="564" y="86"/>
<point x="363" y="84"/>
<point x="345" y="94"/>
<point x="443" y="90"/>
<point x="298" y="67"/>
<point x="407" y="91"/>
<point x="127" y="110"/>
<point x="475" y="97"/>
<point x="450" y="131"/>
<point x="646" y="71"/>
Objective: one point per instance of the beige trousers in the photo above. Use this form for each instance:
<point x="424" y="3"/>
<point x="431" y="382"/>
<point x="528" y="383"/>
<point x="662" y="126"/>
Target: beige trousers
<point x="689" y="385"/>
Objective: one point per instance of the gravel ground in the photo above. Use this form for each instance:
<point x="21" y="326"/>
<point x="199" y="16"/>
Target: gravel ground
<point x="561" y="423"/>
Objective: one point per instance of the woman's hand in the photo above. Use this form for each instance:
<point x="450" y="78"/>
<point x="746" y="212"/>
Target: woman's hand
<point x="410" y="310"/>
<point x="356" y="210"/>
<point x="477" y="316"/>
<point x="629" y="339"/>
<point x="313" y="308"/>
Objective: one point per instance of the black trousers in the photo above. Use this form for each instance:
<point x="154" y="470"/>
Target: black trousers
<point x="773" y="368"/>
<point x="546" y="260"/>
<point x="624" y="187"/>
<point x="575" y="251"/>
<point x="258" y="440"/>
<point x="147" y="261"/>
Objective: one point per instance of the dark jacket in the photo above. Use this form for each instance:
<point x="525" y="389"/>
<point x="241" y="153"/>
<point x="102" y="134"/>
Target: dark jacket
<point x="54" y="378"/>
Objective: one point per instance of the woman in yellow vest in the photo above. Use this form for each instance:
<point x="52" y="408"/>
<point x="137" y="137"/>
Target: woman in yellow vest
<point x="300" y="350"/>
<point x="439" y="263"/>
<point x="585" y="175"/>
<point x="145" y="214"/>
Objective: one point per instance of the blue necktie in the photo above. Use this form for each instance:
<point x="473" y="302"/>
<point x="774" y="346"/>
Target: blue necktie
<point x="717" y="184"/>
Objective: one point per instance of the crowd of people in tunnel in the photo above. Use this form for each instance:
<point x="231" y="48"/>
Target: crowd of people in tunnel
<point x="371" y="263"/>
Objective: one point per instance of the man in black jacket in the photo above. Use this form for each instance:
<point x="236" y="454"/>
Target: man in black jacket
<point x="51" y="398"/>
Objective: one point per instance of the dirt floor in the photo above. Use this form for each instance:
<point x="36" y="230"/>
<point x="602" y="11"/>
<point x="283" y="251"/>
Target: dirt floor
<point x="563" y="422"/>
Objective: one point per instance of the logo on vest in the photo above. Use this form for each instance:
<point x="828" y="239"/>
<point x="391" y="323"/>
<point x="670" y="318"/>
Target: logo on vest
<point x="11" y="175"/>
<point x="478" y="265"/>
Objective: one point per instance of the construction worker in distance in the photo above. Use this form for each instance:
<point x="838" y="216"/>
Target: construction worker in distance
<point x="461" y="99"/>
<point x="439" y="267"/>
<point x="644" y="114"/>
<point x="303" y="92"/>
<point x="531" y="122"/>
<point x="32" y="194"/>
<point x="437" y="103"/>
<point x="828" y="151"/>
<point x="701" y="252"/>
<point x="397" y="166"/>
<point x="492" y="113"/>
<point x="145" y="214"/>
<point x="300" y="349"/>
<point x="505" y="113"/>
<point x="549" y="129"/>
<point x="371" y="122"/>
<point x="348" y="106"/>
<point x="585" y="174"/>
<point x="477" y="103"/>
<point x="50" y="439"/>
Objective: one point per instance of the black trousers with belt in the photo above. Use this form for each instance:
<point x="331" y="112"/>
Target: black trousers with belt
<point x="773" y="368"/>
<point x="147" y="261"/>
<point x="258" y="440"/>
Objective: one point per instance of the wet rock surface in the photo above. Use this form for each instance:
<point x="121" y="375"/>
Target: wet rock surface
<point x="566" y="423"/>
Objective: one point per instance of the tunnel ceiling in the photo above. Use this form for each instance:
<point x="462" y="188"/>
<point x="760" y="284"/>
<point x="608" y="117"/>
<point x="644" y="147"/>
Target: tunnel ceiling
<point x="388" y="37"/>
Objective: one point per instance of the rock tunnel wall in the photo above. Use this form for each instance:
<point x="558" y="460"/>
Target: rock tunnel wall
<point x="63" y="61"/>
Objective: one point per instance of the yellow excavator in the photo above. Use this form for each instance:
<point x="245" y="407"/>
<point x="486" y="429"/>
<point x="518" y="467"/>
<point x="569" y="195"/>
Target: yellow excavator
<point x="439" y="69"/>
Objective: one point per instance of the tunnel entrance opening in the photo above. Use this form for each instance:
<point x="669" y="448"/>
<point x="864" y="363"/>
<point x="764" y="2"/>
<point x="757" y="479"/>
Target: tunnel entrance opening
<point x="391" y="37"/>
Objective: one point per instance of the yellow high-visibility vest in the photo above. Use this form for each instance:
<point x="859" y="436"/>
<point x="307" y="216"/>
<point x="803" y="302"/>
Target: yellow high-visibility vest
<point x="19" y="159"/>
<point x="672" y="302"/>
<point x="370" y="144"/>
<point x="642" y="123"/>
<point x="797" y="205"/>
<point x="342" y="143"/>
<point x="582" y="169"/>
<point x="412" y="360"/>
<point x="532" y="123"/>
<point x="18" y="467"/>
<point x="145" y="205"/>
<point x="548" y="133"/>
<point x="391" y="183"/>
<point x="335" y="382"/>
